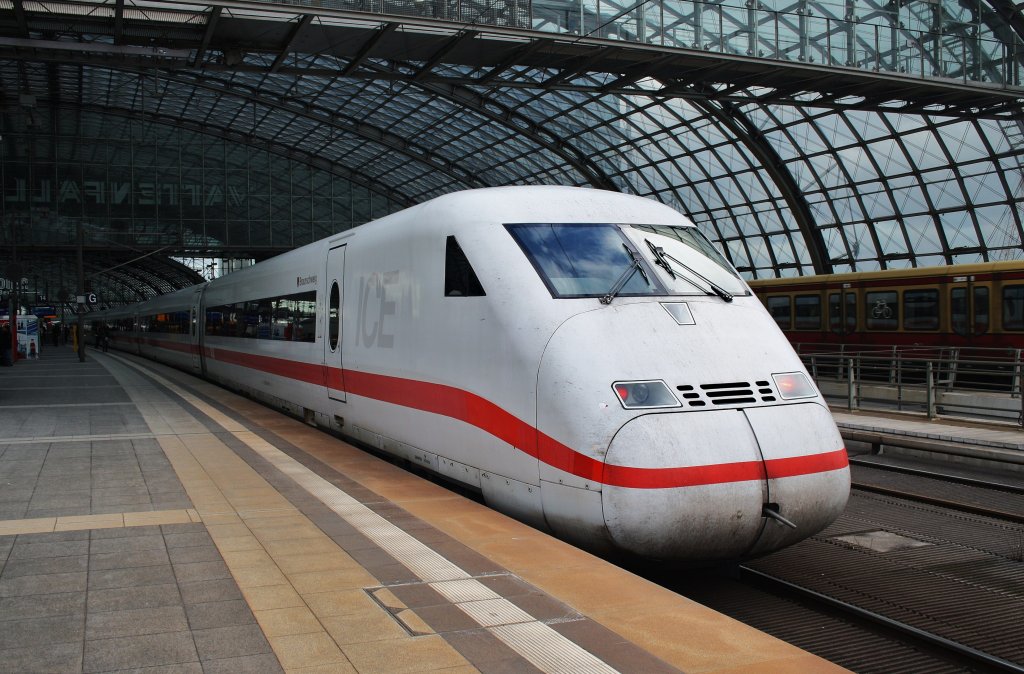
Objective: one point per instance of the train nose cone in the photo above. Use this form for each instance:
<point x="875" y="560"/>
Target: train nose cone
<point x="693" y="487"/>
<point x="808" y="474"/>
<point x="684" y="487"/>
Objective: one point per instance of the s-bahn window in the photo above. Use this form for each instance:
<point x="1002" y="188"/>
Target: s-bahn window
<point x="920" y="309"/>
<point x="1013" y="308"/>
<point x="835" y="312"/>
<point x="459" y="278"/>
<point x="881" y="312"/>
<point x="779" y="308"/>
<point x="807" y="312"/>
<point x="333" y="313"/>
<point x="958" y="318"/>
<point x="960" y="312"/>
<point x="981" y="310"/>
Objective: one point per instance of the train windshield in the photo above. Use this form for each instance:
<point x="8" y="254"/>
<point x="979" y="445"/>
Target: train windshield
<point x="688" y="259"/>
<point x="584" y="260"/>
<point x="587" y="260"/>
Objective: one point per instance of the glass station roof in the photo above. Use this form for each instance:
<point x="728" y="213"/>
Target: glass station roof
<point x="807" y="137"/>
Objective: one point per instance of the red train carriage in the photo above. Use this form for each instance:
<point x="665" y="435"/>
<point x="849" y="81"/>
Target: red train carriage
<point x="977" y="305"/>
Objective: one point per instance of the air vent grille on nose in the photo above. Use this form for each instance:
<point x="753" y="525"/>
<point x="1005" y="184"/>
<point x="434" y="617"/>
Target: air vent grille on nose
<point x="731" y="393"/>
<point x="726" y="393"/>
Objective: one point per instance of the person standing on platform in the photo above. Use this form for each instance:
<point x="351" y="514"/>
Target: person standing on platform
<point x="5" y="345"/>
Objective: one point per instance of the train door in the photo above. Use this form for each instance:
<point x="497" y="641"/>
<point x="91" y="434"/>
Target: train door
<point x="332" y="343"/>
<point x="195" y="334"/>
<point x="842" y="312"/>
<point x="968" y="308"/>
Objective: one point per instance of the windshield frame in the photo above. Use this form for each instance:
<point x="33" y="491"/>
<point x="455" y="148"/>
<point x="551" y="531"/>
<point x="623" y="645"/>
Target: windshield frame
<point x="721" y="277"/>
<point x="657" y="287"/>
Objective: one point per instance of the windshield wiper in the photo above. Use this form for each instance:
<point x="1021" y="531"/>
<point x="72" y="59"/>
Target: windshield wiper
<point x="661" y="259"/>
<point x="634" y="267"/>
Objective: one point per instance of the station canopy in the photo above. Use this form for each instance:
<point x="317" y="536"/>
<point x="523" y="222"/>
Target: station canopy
<point x="177" y="140"/>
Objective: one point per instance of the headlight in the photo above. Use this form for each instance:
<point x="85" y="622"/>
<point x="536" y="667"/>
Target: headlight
<point x="794" y="385"/>
<point x="644" y="394"/>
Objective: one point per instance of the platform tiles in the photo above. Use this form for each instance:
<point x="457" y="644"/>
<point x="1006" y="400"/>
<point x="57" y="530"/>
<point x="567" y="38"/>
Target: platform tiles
<point x="152" y="520"/>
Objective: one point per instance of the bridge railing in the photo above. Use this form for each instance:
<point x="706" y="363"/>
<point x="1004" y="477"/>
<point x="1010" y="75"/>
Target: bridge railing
<point x="952" y="381"/>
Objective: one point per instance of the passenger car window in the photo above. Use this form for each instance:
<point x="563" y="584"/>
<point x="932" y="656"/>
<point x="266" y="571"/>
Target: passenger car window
<point x="290" y="318"/>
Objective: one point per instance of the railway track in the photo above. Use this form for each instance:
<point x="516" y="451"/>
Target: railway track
<point x="927" y="645"/>
<point x="923" y="572"/>
<point x="810" y="622"/>
<point x="957" y="492"/>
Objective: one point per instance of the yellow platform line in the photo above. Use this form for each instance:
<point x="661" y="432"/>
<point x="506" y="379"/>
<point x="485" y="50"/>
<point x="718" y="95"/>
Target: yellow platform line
<point x="307" y="594"/>
<point x="46" y="525"/>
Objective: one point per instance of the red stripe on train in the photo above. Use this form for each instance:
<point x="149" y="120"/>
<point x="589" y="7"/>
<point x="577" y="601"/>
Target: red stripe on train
<point x="472" y="409"/>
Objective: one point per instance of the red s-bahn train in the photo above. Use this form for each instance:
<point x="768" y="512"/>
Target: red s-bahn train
<point x="975" y="305"/>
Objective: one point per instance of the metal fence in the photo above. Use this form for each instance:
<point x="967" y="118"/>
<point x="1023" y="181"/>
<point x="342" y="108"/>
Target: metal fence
<point x="953" y="381"/>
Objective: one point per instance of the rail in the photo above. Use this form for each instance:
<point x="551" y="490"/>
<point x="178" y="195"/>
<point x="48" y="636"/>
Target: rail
<point x="950" y="381"/>
<point x="977" y="497"/>
<point x="905" y="631"/>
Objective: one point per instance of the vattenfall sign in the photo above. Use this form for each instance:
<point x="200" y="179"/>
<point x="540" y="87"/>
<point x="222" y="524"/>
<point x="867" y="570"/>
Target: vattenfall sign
<point x="46" y="191"/>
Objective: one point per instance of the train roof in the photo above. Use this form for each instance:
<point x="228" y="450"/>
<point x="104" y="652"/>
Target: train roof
<point x="538" y="203"/>
<point x="914" y="273"/>
<point x="484" y="207"/>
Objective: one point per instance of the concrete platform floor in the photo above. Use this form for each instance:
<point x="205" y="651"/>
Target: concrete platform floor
<point x="153" y="522"/>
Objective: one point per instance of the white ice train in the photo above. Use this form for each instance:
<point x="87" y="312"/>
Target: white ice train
<point x="586" y="360"/>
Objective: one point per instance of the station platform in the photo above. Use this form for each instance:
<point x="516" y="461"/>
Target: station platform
<point x="151" y="521"/>
<point x="979" y="443"/>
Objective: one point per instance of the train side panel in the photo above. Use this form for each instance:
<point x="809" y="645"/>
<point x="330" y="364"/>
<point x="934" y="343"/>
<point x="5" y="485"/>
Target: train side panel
<point x="446" y="381"/>
<point x="163" y="329"/>
<point x="252" y="345"/>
